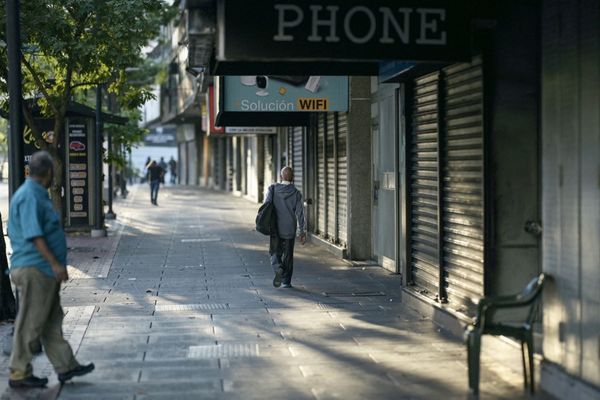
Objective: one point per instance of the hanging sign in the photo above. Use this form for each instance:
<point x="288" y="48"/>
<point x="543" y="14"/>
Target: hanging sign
<point x="274" y="93"/>
<point x="349" y="30"/>
<point x="251" y="130"/>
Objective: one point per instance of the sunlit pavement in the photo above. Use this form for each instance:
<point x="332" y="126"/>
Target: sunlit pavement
<point x="187" y="310"/>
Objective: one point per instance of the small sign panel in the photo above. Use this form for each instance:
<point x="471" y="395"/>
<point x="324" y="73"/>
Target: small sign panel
<point x="273" y="93"/>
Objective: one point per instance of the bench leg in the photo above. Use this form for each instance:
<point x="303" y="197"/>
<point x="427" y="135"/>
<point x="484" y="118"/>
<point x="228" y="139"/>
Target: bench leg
<point x="529" y="336"/>
<point x="525" y="372"/>
<point x="473" y="350"/>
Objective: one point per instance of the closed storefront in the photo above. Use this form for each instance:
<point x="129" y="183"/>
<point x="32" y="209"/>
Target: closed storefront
<point x="446" y="185"/>
<point x="229" y="164"/>
<point x="331" y="180"/>
<point x="192" y="159"/>
<point x="270" y="169"/>
<point x="296" y="143"/>
<point x="218" y="166"/>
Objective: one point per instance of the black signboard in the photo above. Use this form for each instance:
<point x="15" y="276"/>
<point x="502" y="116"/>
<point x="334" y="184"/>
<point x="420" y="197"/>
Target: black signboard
<point x="77" y="151"/>
<point x="46" y="125"/>
<point x="300" y="30"/>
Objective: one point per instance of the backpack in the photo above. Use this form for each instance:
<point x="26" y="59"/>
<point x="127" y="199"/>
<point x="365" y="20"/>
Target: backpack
<point x="266" y="220"/>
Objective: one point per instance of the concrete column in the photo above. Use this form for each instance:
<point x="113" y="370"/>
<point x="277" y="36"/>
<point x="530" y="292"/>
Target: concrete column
<point x="359" y="170"/>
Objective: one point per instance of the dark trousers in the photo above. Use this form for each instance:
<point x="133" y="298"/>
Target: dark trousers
<point x="154" y="186"/>
<point x="281" y="252"/>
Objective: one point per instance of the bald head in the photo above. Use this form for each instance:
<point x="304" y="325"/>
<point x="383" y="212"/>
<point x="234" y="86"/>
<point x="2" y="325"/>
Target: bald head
<point x="287" y="174"/>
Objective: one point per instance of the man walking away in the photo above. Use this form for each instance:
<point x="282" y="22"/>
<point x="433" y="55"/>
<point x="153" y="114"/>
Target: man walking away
<point x="155" y="174"/>
<point x="289" y="208"/>
<point x="38" y="266"/>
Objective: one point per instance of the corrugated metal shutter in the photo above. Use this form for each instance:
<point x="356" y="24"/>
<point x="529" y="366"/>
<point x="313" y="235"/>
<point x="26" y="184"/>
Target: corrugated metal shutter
<point x="298" y="157"/>
<point x="424" y="208"/>
<point x="342" y="181"/>
<point x="183" y="167"/>
<point x="463" y="193"/>
<point x="229" y="165"/>
<point x="331" y="209"/>
<point x="269" y="167"/>
<point x="217" y="159"/>
<point x="321" y="174"/>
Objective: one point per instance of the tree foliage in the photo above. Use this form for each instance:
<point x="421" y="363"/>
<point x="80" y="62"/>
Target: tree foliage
<point x="73" y="45"/>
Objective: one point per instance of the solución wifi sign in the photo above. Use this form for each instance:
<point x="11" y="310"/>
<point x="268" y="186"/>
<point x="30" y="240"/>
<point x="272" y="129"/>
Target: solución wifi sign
<point x="312" y="104"/>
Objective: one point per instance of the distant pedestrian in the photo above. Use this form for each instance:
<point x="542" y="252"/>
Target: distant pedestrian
<point x="145" y="172"/>
<point x="173" y="170"/>
<point x="155" y="174"/>
<point x="163" y="165"/>
<point x="289" y="208"/>
<point x="38" y="266"/>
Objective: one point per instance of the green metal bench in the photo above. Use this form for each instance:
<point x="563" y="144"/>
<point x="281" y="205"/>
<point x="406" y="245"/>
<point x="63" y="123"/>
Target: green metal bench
<point x="488" y="322"/>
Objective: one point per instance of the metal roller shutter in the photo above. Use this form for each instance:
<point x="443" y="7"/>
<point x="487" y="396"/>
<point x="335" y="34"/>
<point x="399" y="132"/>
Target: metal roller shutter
<point x="342" y="181"/>
<point x="321" y="174"/>
<point x="218" y="166"/>
<point x="229" y="165"/>
<point x="424" y="211"/>
<point x="331" y="208"/>
<point x="183" y="167"/>
<point x="269" y="167"/>
<point x="298" y="157"/>
<point x="463" y="194"/>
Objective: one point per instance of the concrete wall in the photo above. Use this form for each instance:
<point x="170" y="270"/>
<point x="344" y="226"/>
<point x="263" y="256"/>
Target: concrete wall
<point x="511" y="68"/>
<point x="571" y="197"/>
<point x="359" y="170"/>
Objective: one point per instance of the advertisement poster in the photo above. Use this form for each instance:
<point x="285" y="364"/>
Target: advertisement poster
<point x="273" y="93"/>
<point x="46" y="125"/>
<point x="78" y="172"/>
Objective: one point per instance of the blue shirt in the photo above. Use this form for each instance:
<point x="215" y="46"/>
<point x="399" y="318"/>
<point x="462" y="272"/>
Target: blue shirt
<point x="32" y="215"/>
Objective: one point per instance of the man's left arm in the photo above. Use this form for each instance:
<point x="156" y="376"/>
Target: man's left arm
<point x="300" y="216"/>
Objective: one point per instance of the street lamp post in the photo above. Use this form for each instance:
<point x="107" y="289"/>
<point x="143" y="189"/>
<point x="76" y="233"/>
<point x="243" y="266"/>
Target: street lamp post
<point x="98" y="230"/>
<point x="110" y="213"/>
<point x="15" y="137"/>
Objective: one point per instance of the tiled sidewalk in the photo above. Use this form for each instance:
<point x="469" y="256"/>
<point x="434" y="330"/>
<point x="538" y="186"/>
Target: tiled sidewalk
<point x="187" y="311"/>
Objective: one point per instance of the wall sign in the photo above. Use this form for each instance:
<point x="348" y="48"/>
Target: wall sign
<point x="251" y="130"/>
<point x="274" y="93"/>
<point x="78" y="171"/>
<point x="417" y="30"/>
<point x="30" y="146"/>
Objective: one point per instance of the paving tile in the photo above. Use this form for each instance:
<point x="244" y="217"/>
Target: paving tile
<point x="178" y="319"/>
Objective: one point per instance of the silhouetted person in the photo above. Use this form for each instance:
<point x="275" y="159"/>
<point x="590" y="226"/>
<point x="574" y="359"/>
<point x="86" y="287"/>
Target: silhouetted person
<point x="155" y="173"/>
<point x="289" y="208"/>
<point x="163" y="165"/>
<point x="173" y="170"/>
<point x="146" y="165"/>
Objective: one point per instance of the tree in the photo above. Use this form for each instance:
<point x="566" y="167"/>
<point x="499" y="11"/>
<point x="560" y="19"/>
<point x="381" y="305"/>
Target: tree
<point x="70" y="46"/>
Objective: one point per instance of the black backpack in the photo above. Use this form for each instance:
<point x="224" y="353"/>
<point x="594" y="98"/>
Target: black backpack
<point x="266" y="220"/>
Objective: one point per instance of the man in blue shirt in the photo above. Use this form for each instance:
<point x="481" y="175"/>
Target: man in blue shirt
<point x="38" y="266"/>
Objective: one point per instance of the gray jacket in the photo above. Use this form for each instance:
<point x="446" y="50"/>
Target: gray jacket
<point x="289" y="208"/>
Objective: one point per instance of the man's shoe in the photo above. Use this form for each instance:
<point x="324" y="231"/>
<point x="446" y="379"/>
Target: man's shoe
<point x="277" y="279"/>
<point x="287" y="285"/>
<point x="29" y="382"/>
<point x="77" y="371"/>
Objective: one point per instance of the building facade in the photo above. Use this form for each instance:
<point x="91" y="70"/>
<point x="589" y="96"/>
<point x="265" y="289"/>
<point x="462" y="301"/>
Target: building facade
<point x="468" y="177"/>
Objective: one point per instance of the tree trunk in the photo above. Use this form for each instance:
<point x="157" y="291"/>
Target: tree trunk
<point x="55" y="151"/>
<point x="8" y="306"/>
